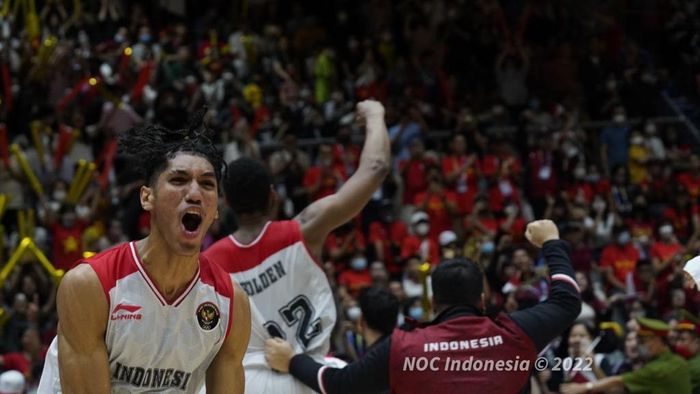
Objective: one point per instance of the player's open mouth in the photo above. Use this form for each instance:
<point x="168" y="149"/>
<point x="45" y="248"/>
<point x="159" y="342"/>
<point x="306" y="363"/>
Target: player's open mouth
<point x="191" y="222"/>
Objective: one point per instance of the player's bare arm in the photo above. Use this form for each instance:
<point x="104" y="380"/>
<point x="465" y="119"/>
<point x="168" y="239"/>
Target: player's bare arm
<point x="225" y="374"/>
<point x="82" y="321"/>
<point x="322" y="216"/>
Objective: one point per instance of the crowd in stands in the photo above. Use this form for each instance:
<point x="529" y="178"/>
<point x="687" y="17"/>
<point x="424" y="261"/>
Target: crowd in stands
<point x="498" y="112"/>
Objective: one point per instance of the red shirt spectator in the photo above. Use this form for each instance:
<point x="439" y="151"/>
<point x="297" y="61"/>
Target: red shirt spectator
<point x="543" y="176"/>
<point x="323" y="181"/>
<point x="691" y="182"/>
<point x="357" y="277"/>
<point x="342" y="244"/>
<point x="325" y="178"/>
<point x="421" y="244"/>
<point x="461" y="171"/>
<point x="385" y="237"/>
<point x="621" y="259"/>
<point x="414" y="173"/>
<point x="440" y="205"/>
<point x="502" y="191"/>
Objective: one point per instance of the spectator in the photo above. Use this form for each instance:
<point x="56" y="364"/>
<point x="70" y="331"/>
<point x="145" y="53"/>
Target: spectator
<point x="614" y="141"/>
<point x="440" y="204"/>
<point x="414" y="171"/>
<point x="420" y="244"/>
<point x="618" y="260"/>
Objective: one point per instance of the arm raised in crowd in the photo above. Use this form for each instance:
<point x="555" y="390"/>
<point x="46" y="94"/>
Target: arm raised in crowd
<point x="543" y="322"/>
<point x="322" y="216"/>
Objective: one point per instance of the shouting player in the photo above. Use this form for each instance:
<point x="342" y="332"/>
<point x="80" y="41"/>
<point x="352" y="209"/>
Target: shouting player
<point x="154" y="315"/>
<point x="276" y="262"/>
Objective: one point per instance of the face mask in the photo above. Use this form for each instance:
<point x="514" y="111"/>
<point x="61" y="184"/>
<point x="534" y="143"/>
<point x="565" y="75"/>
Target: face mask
<point x="82" y="211"/>
<point x="59" y="195"/>
<point x="650" y="128"/>
<point x="619" y="118"/>
<point x="666" y="231"/>
<point x="510" y="210"/>
<point x="358" y="263"/>
<point x="588" y="223"/>
<point x="422" y="229"/>
<point x="354" y="313"/>
<point x="416" y="312"/>
<point x="637" y="140"/>
<point x="488" y="247"/>
<point x="579" y="172"/>
<point x="118" y="38"/>
<point x="145" y="38"/>
<point x="624" y="238"/>
<point x="599" y="205"/>
<point x="448" y="254"/>
<point x="593" y="178"/>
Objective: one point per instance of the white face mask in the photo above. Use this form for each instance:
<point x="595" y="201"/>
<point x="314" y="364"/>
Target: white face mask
<point x="599" y="205"/>
<point x="422" y="228"/>
<point x="82" y="211"/>
<point x="619" y="118"/>
<point x="354" y="313"/>
<point x="666" y="231"/>
<point x="358" y="263"/>
<point x="59" y="195"/>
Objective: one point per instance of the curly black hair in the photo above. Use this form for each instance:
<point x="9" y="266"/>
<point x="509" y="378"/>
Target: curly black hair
<point x="149" y="147"/>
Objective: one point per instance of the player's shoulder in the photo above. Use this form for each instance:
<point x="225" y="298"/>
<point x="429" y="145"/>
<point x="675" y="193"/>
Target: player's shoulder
<point x="212" y="274"/>
<point x="81" y="283"/>
<point x="112" y="255"/>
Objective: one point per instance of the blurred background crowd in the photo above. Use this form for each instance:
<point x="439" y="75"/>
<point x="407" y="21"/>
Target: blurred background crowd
<point x="499" y="112"/>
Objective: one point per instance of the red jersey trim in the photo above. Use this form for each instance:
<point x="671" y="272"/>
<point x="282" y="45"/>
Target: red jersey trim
<point x="110" y="266"/>
<point x="154" y="289"/>
<point x="234" y="257"/>
<point x="255" y="241"/>
<point x="213" y="275"/>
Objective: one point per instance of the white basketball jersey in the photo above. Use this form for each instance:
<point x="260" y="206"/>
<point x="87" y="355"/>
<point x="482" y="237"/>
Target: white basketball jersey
<point x="155" y="345"/>
<point x="289" y="298"/>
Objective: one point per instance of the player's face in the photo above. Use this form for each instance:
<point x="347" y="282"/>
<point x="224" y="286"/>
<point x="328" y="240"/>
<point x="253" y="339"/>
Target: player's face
<point x="185" y="202"/>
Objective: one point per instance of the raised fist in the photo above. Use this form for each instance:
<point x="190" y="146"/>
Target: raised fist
<point x="541" y="231"/>
<point x="370" y="108"/>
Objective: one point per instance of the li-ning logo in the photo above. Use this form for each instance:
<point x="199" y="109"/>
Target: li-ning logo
<point x="129" y="312"/>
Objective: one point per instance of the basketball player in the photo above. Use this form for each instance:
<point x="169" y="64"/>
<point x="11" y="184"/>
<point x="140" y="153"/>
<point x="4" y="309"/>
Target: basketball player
<point x="154" y="315"/>
<point x="276" y="262"/>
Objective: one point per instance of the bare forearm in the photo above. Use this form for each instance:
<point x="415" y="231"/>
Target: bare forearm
<point x="83" y="373"/>
<point x="376" y="153"/>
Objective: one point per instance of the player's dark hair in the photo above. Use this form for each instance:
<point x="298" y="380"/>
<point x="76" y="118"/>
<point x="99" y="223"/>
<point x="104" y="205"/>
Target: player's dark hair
<point x="150" y="147"/>
<point x="457" y="282"/>
<point x="380" y="308"/>
<point x="247" y="186"/>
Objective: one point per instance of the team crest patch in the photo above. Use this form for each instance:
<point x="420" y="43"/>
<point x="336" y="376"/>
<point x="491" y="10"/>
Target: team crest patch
<point x="208" y="316"/>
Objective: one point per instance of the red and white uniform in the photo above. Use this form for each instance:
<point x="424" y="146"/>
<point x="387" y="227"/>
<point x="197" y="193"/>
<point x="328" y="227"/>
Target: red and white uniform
<point x="289" y="297"/>
<point x="155" y="345"/>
